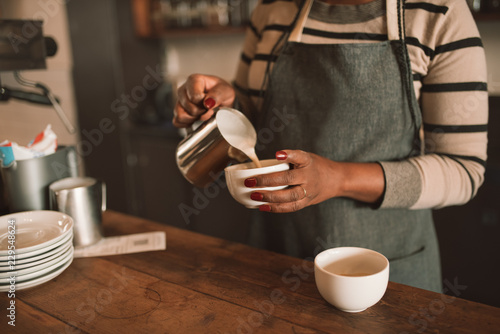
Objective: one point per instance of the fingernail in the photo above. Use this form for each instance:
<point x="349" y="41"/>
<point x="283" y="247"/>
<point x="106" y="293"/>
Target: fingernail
<point x="265" y="207"/>
<point x="251" y="182"/>
<point x="281" y="155"/>
<point x="257" y="196"/>
<point x="209" y="103"/>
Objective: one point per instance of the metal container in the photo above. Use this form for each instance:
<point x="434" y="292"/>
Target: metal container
<point x="84" y="199"/>
<point x="205" y="152"/>
<point x="26" y="182"/>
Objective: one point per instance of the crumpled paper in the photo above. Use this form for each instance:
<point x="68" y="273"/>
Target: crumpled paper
<point x="45" y="143"/>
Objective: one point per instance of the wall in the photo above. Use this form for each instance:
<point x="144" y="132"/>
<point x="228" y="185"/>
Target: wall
<point x="21" y="121"/>
<point x="215" y="55"/>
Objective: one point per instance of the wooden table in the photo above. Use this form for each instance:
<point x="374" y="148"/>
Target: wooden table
<point x="202" y="284"/>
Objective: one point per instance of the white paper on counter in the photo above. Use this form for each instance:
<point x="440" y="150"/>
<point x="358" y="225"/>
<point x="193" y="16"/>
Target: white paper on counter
<point x="133" y="243"/>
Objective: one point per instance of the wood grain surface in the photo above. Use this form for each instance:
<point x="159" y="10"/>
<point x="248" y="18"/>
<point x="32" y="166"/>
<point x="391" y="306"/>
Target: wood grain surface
<point x="201" y="284"/>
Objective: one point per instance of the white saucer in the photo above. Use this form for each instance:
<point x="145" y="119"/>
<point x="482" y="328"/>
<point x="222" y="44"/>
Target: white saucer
<point x="34" y="230"/>
<point x="27" y="257"/>
<point x="37" y="269"/>
<point x="39" y="273"/>
<point x="36" y="265"/>
<point x="21" y="263"/>
<point x="40" y="280"/>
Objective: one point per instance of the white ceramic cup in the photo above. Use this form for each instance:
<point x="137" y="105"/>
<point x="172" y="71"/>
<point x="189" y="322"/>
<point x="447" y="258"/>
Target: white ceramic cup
<point x="351" y="278"/>
<point x="236" y="175"/>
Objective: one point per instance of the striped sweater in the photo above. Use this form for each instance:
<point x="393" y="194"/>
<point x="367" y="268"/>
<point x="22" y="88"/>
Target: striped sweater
<point x="449" y="70"/>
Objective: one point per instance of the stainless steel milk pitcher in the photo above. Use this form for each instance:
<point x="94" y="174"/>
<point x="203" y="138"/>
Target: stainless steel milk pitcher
<point x="84" y="199"/>
<point x="205" y="152"/>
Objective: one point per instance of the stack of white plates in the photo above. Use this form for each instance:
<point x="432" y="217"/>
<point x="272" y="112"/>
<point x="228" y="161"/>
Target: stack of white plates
<point x="35" y="247"/>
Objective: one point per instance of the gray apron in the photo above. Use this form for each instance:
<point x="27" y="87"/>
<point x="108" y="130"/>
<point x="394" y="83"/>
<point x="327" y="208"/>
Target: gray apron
<point x="347" y="102"/>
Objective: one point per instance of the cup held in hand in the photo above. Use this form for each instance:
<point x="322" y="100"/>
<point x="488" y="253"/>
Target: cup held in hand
<point x="236" y="175"/>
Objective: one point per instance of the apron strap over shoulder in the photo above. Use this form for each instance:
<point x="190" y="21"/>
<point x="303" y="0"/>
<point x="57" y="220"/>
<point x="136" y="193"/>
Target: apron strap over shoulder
<point x="296" y="34"/>
<point x="392" y="19"/>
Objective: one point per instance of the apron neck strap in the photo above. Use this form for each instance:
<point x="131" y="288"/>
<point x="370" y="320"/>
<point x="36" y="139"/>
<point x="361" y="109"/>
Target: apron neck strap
<point x="391" y="15"/>
<point x="296" y="34"/>
<point x="394" y="13"/>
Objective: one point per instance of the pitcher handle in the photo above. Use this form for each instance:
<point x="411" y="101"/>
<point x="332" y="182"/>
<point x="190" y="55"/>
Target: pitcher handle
<point x="195" y="125"/>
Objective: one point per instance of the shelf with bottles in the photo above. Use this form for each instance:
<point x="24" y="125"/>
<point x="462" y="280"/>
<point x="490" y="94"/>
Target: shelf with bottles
<point x="180" y="18"/>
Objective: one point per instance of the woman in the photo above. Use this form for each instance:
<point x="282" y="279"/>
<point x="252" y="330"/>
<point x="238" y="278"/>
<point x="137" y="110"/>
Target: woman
<point x="380" y="109"/>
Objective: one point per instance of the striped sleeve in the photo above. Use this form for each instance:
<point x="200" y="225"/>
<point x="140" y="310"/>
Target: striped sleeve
<point x="453" y="96"/>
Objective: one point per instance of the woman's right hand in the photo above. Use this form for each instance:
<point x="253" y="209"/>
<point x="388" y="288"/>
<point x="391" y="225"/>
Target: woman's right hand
<point x="198" y="96"/>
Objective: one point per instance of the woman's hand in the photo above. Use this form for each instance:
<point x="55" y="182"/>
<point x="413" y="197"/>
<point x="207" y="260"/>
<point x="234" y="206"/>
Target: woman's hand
<point x="198" y="96"/>
<point x="314" y="179"/>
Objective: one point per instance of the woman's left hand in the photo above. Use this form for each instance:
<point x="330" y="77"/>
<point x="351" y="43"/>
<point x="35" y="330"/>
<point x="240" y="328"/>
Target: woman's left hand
<point x="314" y="179"/>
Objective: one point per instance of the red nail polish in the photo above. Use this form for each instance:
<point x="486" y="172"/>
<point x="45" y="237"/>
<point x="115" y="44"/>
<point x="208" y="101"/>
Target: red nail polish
<point x="209" y="103"/>
<point x="251" y="182"/>
<point x="281" y="155"/>
<point x="265" y="208"/>
<point x="257" y="196"/>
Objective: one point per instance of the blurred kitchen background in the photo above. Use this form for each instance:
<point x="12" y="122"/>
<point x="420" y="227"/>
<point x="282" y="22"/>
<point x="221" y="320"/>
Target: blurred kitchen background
<point x="116" y="71"/>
